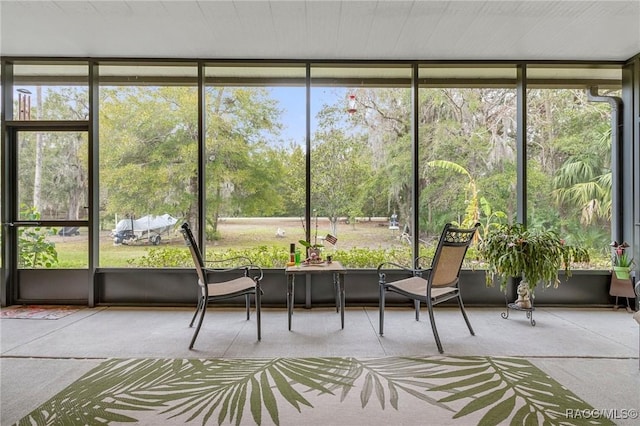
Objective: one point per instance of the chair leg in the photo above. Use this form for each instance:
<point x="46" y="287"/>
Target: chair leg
<point x="258" y="307"/>
<point x="416" y="305"/>
<point x="381" y="308"/>
<point x="247" y="303"/>
<point x="336" y="289"/>
<point x="433" y="325"/>
<point x="195" y="314"/>
<point x="195" y="334"/>
<point x="464" y="314"/>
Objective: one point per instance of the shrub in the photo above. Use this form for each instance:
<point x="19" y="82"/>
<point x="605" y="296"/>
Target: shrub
<point x="35" y="250"/>
<point x="273" y="256"/>
<point x="163" y="257"/>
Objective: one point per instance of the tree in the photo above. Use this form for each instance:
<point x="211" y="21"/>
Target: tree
<point x="339" y="165"/>
<point x="53" y="166"/>
<point x="240" y="121"/>
<point x="472" y="198"/>
<point x="293" y="181"/>
<point x="569" y="156"/>
<point x="383" y="117"/>
<point x="473" y="128"/>
<point x="584" y="181"/>
<point x="149" y="151"/>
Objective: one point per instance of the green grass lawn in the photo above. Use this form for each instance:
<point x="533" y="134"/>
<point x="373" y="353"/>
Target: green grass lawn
<point x="234" y="233"/>
<point x="244" y="234"/>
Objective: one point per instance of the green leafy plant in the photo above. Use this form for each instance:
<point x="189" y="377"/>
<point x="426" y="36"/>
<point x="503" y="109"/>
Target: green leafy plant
<point x="35" y="251"/>
<point x="472" y="211"/>
<point x="622" y="263"/>
<point x="534" y="255"/>
<point x="163" y="257"/>
<point x="308" y="244"/>
<point x="620" y="256"/>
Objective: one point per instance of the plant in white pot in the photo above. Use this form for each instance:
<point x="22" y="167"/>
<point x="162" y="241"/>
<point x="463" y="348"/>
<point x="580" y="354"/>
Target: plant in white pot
<point x="533" y="255"/>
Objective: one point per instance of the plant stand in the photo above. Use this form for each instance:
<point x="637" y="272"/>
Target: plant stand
<point x="515" y="307"/>
<point x="621" y="288"/>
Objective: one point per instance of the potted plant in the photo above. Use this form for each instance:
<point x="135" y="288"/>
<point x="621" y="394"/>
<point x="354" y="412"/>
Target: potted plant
<point x="313" y="250"/>
<point x="621" y="261"/>
<point x="533" y="255"/>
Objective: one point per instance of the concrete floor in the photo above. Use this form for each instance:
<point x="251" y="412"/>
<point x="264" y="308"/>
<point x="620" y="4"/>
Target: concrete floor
<point x="593" y="352"/>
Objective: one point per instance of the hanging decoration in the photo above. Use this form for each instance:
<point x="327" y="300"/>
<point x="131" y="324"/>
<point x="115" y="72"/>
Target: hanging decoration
<point x="24" y="104"/>
<point x="351" y="104"/>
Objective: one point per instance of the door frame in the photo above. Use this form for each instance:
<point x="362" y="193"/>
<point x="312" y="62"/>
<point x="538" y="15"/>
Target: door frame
<point x="10" y="288"/>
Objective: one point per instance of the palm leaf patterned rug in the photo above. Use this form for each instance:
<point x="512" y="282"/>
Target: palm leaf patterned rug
<point x="293" y="391"/>
<point x="46" y="312"/>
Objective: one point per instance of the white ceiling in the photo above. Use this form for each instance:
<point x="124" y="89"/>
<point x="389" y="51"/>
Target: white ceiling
<point x="312" y="29"/>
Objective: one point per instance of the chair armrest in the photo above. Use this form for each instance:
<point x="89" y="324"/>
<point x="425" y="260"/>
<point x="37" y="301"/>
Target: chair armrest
<point x="257" y="278"/>
<point x="240" y="261"/>
<point x="247" y="266"/>
<point x="397" y="266"/>
<point x="419" y="259"/>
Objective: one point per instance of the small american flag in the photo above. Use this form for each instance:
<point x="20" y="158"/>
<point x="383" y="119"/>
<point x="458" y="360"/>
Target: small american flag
<point x="330" y="239"/>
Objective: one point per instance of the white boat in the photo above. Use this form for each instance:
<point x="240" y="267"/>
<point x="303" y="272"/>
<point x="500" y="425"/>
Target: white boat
<point x="149" y="227"/>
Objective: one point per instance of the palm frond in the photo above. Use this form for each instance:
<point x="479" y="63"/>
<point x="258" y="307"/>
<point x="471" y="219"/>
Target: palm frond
<point x="234" y="391"/>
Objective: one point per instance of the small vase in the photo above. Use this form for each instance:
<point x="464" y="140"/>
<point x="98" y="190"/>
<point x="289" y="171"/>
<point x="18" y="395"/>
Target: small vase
<point x="622" y="272"/>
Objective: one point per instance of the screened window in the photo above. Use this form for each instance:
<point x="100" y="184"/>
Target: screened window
<point x="282" y="164"/>
<point x="255" y="160"/>
<point x="148" y="161"/>
<point x="361" y="162"/>
<point x="569" y="167"/>
<point x="467" y="148"/>
<point x="569" y="154"/>
<point x="51" y="91"/>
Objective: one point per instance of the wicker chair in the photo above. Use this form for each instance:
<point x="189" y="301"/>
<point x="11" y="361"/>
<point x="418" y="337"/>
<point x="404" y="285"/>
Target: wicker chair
<point x="210" y="290"/>
<point x="436" y="284"/>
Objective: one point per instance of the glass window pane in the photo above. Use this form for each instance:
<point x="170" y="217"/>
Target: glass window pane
<point x="255" y="161"/>
<point x="52" y="175"/>
<point x="53" y="247"/>
<point x="467" y="158"/>
<point x="467" y="148"/>
<point x="51" y="91"/>
<point x="569" y="168"/>
<point x="148" y="162"/>
<point x="361" y="162"/>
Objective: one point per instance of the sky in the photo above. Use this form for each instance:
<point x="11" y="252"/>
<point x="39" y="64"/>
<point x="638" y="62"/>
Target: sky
<point x="292" y="101"/>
